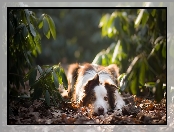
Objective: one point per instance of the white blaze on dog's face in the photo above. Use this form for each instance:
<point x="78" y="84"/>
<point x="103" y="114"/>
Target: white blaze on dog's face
<point x="100" y="105"/>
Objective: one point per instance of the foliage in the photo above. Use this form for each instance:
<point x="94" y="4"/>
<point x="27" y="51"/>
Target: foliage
<point x="78" y="39"/>
<point x="25" y="44"/>
<point x="51" y="79"/>
<point x="139" y="48"/>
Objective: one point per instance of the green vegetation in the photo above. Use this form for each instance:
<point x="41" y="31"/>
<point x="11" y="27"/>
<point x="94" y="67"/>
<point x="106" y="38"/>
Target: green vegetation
<point x="24" y="46"/>
<point x="139" y="48"/>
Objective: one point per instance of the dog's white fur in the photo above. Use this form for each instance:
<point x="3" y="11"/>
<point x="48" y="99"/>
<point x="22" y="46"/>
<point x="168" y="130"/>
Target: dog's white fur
<point x="80" y="79"/>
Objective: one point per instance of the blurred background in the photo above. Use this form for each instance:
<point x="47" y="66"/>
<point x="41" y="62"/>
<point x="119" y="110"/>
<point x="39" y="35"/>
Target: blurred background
<point x="78" y="38"/>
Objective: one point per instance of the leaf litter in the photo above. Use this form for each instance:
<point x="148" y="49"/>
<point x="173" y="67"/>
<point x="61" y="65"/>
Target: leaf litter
<point x="138" y="110"/>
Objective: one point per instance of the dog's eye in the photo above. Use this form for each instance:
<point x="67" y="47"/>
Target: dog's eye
<point x="106" y="98"/>
<point x="93" y="98"/>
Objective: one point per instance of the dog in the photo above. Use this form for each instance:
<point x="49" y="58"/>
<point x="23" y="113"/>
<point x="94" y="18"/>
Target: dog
<point x="95" y="86"/>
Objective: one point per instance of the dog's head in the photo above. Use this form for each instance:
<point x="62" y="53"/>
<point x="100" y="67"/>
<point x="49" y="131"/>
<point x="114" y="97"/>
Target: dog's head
<point x="100" y="97"/>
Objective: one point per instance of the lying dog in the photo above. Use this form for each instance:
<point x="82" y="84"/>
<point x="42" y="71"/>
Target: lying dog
<point x="95" y="85"/>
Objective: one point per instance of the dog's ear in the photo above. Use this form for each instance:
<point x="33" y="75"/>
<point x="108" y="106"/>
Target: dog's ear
<point x="92" y="83"/>
<point x="89" y="87"/>
<point x="111" y="94"/>
<point x="96" y="79"/>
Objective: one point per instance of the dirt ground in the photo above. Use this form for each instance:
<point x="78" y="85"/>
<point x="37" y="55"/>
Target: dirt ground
<point x="137" y="111"/>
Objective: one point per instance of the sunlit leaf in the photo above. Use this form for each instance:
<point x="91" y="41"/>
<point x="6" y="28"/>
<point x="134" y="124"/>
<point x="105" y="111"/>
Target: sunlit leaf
<point x="46" y="29"/>
<point x="51" y="26"/>
<point x="123" y="82"/>
<point x="105" y="60"/>
<point x="145" y="17"/>
<point x="98" y="59"/>
<point x="116" y="51"/>
<point x="56" y="83"/>
<point x="64" y="78"/>
<point x="40" y="21"/>
<point x="103" y="23"/>
<point x="139" y="18"/>
<point x="104" y="20"/>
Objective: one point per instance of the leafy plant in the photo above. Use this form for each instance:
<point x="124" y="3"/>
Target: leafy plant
<point x="139" y="48"/>
<point x="51" y="79"/>
<point x="24" y="41"/>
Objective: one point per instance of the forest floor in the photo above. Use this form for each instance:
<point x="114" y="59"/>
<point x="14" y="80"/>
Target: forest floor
<point x="136" y="111"/>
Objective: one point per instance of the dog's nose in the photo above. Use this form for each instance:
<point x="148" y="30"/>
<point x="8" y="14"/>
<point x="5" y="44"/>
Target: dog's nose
<point x="100" y="110"/>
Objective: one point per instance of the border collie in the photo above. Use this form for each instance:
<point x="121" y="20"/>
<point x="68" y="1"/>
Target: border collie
<point x="95" y="86"/>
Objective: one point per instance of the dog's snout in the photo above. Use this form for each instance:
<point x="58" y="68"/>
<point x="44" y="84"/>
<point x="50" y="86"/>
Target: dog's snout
<point x="100" y="110"/>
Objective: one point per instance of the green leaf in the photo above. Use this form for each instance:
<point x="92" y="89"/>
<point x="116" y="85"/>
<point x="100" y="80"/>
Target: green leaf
<point x="145" y="18"/>
<point x="139" y="18"/>
<point x="40" y="21"/>
<point x="134" y="86"/>
<point x="25" y="32"/>
<point x="51" y="26"/>
<point x="105" y="60"/>
<point x="142" y="73"/>
<point x="57" y="70"/>
<point x="98" y="58"/>
<point x="153" y="12"/>
<point x="64" y="78"/>
<point x="104" y="24"/>
<point x="48" y="70"/>
<point x="39" y="69"/>
<point x="123" y="82"/>
<point x="104" y="20"/>
<point x="116" y="51"/>
<point x="47" y="98"/>
<point x="46" y="29"/>
<point x="32" y="30"/>
<point x="56" y="83"/>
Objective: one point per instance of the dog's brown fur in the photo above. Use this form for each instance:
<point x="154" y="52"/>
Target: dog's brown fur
<point x="74" y="71"/>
